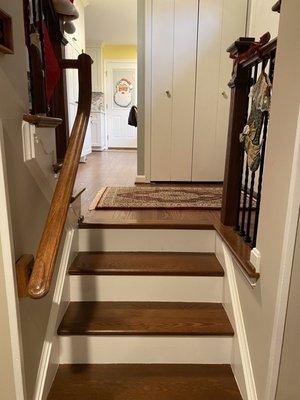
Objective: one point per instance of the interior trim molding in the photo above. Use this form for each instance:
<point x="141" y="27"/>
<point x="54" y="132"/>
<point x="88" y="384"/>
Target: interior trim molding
<point x="286" y="262"/>
<point x="48" y="362"/>
<point x="10" y="277"/>
<point x="148" y="88"/>
<point x="142" y="179"/>
<point x="244" y="374"/>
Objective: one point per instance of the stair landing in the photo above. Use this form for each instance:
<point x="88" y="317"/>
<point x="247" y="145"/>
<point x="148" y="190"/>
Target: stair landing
<point x="150" y="219"/>
<point x="144" y="382"/>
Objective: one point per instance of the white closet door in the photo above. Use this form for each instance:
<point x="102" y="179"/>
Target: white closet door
<point x="184" y="80"/>
<point x="162" y="70"/>
<point x="208" y="67"/>
<point x="220" y="23"/>
<point x="234" y="26"/>
<point x="174" y="45"/>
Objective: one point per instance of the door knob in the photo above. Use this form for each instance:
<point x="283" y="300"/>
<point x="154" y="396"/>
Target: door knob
<point x="168" y="94"/>
<point x="224" y="94"/>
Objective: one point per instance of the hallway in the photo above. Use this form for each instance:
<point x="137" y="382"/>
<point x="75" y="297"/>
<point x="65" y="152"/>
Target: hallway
<point x="106" y="168"/>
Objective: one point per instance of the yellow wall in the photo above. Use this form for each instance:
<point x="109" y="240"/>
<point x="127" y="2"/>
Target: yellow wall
<point x="119" y="52"/>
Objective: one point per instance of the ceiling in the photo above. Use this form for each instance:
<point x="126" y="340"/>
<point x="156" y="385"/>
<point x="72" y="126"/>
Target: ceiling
<point x="111" y="21"/>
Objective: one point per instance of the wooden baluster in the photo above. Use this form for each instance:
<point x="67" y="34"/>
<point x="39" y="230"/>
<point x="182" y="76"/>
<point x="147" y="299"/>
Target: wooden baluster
<point x="245" y="197"/>
<point x="239" y="85"/>
<point x="250" y="206"/>
<point x="240" y="225"/>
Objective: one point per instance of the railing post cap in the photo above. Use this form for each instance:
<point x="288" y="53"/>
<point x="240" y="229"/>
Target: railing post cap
<point x="241" y="45"/>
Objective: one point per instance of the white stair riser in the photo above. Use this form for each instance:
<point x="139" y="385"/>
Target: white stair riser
<point x="146" y="288"/>
<point x="144" y="350"/>
<point x="147" y="240"/>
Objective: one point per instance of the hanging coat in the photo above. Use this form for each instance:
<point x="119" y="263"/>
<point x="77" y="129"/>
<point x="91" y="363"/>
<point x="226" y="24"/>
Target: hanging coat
<point x="132" y="119"/>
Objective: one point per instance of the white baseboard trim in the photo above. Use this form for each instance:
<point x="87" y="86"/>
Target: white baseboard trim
<point x="142" y="179"/>
<point x="241" y="360"/>
<point x="49" y="359"/>
<point x="255" y="258"/>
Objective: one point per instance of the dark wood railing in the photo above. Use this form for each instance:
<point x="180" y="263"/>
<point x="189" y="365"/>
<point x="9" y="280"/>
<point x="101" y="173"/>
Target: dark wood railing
<point x="242" y="185"/>
<point x="39" y="17"/>
<point x="47" y="252"/>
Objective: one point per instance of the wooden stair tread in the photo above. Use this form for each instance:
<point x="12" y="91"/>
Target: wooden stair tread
<point x="142" y="263"/>
<point x="145" y="318"/>
<point x="148" y="219"/>
<point x="144" y="382"/>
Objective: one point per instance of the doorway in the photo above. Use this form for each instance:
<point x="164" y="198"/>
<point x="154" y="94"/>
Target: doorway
<point x="110" y="37"/>
<point x="121" y="96"/>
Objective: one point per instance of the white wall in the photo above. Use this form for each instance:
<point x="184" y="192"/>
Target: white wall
<point x="259" y="304"/>
<point x="28" y="205"/>
<point x="7" y="383"/>
<point x="289" y="384"/>
<point x="111" y="21"/>
<point x="262" y="19"/>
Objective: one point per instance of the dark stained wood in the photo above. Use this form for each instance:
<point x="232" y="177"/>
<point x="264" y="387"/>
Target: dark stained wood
<point x="118" y="168"/>
<point x="118" y="263"/>
<point x="58" y="105"/>
<point x="105" y="168"/>
<point x="145" y="318"/>
<point x="277" y="6"/>
<point x="6" y="42"/>
<point x="47" y="252"/>
<point x="239" y="248"/>
<point x="76" y="195"/>
<point x="239" y="85"/>
<point x="144" y="382"/>
<point x="24" y="267"/>
<point x="41" y="121"/>
<point x="264" y="52"/>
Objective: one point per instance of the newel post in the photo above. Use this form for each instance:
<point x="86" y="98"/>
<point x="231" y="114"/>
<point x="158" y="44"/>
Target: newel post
<point x="239" y="85"/>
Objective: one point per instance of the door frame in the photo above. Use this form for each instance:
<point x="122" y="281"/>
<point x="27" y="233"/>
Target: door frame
<point x="105" y="86"/>
<point x="147" y="89"/>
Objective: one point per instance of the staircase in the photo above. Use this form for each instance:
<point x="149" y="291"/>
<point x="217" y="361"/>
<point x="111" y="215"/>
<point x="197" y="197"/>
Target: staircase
<point x="145" y="319"/>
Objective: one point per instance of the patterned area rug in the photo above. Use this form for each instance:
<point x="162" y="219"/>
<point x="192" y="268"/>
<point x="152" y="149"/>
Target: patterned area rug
<point x="206" y="196"/>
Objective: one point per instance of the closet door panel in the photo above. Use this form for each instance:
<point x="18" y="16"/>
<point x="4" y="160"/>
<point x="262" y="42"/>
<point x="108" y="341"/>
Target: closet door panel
<point x="184" y="77"/>
<point x="207" y="87"/>
<point x="162" y="67"/>
<point x="234" y="26"/>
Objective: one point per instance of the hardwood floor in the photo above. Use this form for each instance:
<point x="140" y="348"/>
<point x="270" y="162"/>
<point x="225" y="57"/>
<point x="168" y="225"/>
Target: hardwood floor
<point x="118" y="168"/>
<point x="145" y="318"/>
<point x="141" y="263"/>
<point x="144" y="382"/>
<point x="106" y="168"/>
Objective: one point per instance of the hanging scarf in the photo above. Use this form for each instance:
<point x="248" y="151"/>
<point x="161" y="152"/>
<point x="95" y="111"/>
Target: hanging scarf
<point x="261" y="99"/>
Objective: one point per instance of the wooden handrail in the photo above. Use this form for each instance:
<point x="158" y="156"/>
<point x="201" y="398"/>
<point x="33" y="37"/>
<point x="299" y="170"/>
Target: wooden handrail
<point x="42" y="121"/>
<point x="265" y="52"/>
<point x="43" y="268"/>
